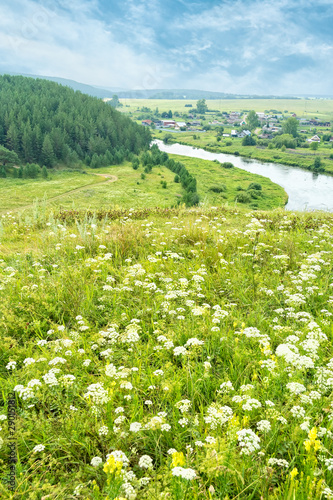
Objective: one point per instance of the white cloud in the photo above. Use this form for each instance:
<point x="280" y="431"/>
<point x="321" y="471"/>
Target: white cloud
<point x="72" y="44"/>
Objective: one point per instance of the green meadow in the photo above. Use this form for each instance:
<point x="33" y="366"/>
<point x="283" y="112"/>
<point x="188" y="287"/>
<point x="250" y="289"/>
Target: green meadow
<point x="323" y="108"/>
<point x="180" y="356"/>
<point x="133" y="188"/>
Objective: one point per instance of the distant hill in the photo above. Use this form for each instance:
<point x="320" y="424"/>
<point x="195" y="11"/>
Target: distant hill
<point x="189" y="94"/>
<point x="82" y="87"/>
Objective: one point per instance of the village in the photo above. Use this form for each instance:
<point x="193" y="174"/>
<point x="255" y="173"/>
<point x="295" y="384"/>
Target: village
<point x="269" y="125"/>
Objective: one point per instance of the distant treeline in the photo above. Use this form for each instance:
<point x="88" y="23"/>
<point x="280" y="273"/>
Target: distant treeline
<point x="48" y="124"/>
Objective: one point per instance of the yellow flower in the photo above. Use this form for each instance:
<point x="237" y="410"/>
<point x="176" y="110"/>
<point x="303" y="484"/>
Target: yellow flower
<point x="245" y="421"/>
<point x="312" y="442"/>
<point x="234" y="421"/>
<point x="293" y="473"/>
<point x="112" y="465"/>
<point x="178" y="459"/>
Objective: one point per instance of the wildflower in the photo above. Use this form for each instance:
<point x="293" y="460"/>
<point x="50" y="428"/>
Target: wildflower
<point x="188" y="474"/>
<point x="96" y="461"/>
<point x="146" y="462"/>
<point x="135" y="427"/>
<point x="178" y="459"/>
<point x="312" y="443"/>
<point x="293" y="473"/>
<point x="29" y="361"/>
<point x="279" y="462"/>
<point x="184" y="405"/>
<point x="103" y="431"/>
<point x="248" y="441"/>
<point x="180" y="351"/>
<point x="264" y="425"/>
<point x="113" y="466"/>
<point x="38" y="447"/>
<point x="11" y="365"/>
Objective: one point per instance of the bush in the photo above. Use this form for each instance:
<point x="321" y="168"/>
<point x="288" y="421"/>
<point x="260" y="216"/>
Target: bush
<point x="227" y="164"/>
<point x="164" y="184"/>
<point x="143" y="176"/>
<point x="218" y="189"/>
<point x="314" y="146"/>
<point x="167" y="139"/>
<point x="256" y="186"/>
<point x="286" y="140"/>
<point x="254" y="193"/>
<point x="240" y="188"/>
<point x="270" y="145"/>
<point x="177" y="179"/>
<point x="228" y="143"/>
<point x="243" y="198"/>
<point x="317" y="163"/>
<point x="236" y="153"/>
<point x="248" y="141"/>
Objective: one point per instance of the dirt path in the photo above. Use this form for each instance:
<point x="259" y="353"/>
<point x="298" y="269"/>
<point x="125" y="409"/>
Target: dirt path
<point x="108" y="179"/>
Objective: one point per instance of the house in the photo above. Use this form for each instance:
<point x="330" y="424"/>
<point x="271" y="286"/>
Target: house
<point x="315" y="138"/>
<point x="234" y="133"/>
<point x="226" y="135"/>
<point x="168" y="123"/>
<point x="181" y="124"/>
<point x="244" y="133"/>
<point x="146" y="123"/>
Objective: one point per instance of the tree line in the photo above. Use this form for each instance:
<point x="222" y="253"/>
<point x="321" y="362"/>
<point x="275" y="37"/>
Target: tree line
<point x="48" y="124"/>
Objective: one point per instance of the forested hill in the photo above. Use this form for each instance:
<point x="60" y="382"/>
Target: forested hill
<point x="47" y="123"/>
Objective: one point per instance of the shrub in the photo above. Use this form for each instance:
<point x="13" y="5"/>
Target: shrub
<point x="243" y="198"/>
<point x="248" y="141"/>
<point x="218" y="189"/>
<point x="236" y="153"/>
<point x="143" y="176"/>
<point x="254" y="193"/>
<point x="177" y="179"/>
<point x="164" y="184"/>
<point x="240" y="188"/>
<point x="227" y="164"/>
<point x="317" y="163"/>
<point x="228" y="143"/>
<point x="255" y="185"/>
<point x="314" y="146"/>
<point x="270" y="145"/>
<point x="167" y="139"/>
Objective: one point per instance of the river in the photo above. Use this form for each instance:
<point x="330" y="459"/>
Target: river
<point x="306" y="190"/>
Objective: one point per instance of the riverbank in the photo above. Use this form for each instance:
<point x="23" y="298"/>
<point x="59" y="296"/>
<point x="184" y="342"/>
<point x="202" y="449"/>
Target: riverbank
<point x="306" y="190"/>
<point x="301" y="158"/>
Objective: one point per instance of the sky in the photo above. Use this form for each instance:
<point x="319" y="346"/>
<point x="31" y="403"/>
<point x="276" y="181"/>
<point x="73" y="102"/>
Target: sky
<point x="262" y="47"/>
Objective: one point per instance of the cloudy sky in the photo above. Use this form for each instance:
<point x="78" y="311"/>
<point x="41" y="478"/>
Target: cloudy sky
<point x="238" y="46"/>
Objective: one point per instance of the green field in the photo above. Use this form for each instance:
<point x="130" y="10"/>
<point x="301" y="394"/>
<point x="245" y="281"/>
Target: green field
<point x="91" y="191"/>
<point x="184" y="356"/>
<point x="323" y="108"/>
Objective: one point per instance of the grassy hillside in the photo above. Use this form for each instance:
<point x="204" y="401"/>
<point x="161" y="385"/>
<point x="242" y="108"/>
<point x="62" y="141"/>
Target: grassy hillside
<point x="186" y="355"/>
<point x="134" y="188"/>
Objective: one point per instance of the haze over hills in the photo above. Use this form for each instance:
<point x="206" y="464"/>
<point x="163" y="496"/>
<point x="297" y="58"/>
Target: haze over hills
<point x="82" y="87"/>
<point x="108" y="92"/>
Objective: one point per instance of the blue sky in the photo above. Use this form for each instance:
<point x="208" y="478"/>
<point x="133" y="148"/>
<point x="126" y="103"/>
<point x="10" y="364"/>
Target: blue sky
<point x="236" y="46"/>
